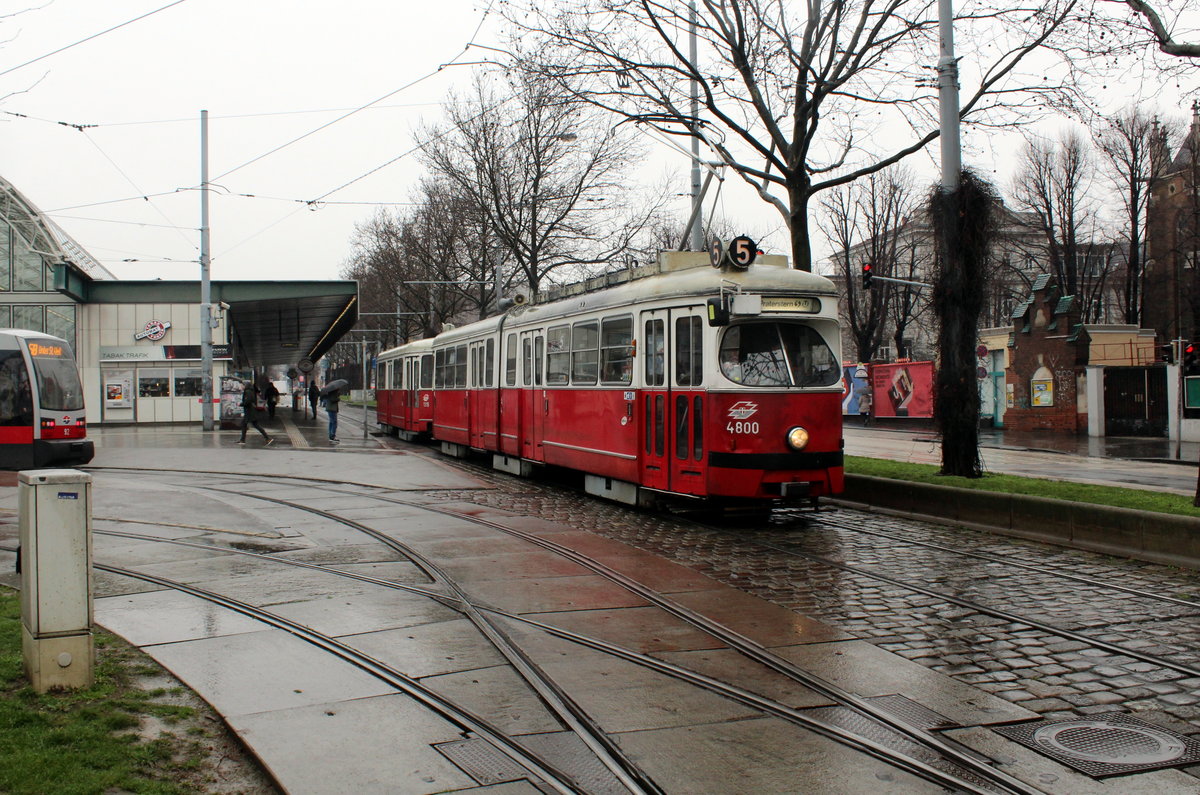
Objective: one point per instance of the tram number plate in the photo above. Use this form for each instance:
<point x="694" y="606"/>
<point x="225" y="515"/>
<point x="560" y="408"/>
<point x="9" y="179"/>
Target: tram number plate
<point x="742" y="427"/>
<point x="777" y="304"/>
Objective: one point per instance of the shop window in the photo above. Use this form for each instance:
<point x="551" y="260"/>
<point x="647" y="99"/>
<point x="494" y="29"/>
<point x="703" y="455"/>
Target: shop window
<point x="189" y="383"/>
<point x="27" y="317"/>
<point x="154" y="383"/>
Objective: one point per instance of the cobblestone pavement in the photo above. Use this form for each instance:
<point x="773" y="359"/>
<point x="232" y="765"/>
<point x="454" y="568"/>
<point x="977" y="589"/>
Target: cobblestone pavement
<point x="1044" y="672"/>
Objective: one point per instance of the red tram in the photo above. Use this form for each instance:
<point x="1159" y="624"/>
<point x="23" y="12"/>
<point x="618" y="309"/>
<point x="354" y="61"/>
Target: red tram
<point x="674" y="380"/>
<point x="41" y="402"/>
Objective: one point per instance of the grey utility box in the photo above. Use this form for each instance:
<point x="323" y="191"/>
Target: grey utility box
<point x="56" y="577"/>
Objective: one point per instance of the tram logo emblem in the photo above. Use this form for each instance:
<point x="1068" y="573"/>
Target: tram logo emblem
<point x="743" y="409"/>
<point x="154" y="330"/>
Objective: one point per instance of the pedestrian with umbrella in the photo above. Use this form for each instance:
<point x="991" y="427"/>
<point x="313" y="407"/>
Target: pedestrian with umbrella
<point x="332" y="395"/>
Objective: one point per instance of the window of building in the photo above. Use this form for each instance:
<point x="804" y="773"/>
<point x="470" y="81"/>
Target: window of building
<point x="28" y="316"/>
<point x="60" y="321"/>
<point x="154" y="382"/>
<point x="5" y="258"/>
<point x="28" y="269"/>
<point x="189" y="383"/>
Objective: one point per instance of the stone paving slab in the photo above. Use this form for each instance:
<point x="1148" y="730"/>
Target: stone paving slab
<point x="643" y="567"/>
<point x="168" y="617"/>
<point x="368" y="745"/>
<point x="531" y="563"/>
<point x="764" y="755"/>
<point x="554" y="594"/>
<point x="861" y="668"/>
<point x="372" y="611"/>
<point x="498" y="695"/>
<point x="640" y="629"/>
<point x="757" y="619"/>
<point x="429" y="649"/>
<point x="728" y="665"/>
<point x="259" y="671"/>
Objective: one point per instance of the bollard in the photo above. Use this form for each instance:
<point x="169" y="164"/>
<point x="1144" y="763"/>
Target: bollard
<point x="56" y="577"/>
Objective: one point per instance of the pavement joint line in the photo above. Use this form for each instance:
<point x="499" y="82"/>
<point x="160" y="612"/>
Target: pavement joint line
<point x="294" y="436"/>
<point x="189" y="527"/>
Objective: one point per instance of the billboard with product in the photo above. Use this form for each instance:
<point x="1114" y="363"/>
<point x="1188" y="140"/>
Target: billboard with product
<point x="903" y="389"/>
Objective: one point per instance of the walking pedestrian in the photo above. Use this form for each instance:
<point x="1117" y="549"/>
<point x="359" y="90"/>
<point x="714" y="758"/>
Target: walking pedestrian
<point x="313" y="394"/>
<point x="250" y="413"/>
<point x="271" y="393"/>
<point x="331" y="408"/>
<point x="865" y="403"/>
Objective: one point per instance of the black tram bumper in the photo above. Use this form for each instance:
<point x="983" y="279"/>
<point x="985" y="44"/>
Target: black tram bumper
<point x="60" y="452"/>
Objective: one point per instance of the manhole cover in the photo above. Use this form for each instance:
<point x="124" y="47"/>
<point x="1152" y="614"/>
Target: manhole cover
<point x="1106" y="745"/>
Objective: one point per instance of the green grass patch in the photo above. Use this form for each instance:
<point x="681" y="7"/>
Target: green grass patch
<point x="1137" y="499"/>
<point x="86" y="741"/>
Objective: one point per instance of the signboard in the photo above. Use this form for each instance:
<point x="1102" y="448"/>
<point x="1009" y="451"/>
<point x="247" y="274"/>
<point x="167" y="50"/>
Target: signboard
<point x="791" y="304"/>
<point x="1191" y="392"/>
<point x="305" y="365"/>
<point x="158" y="353"/>
<point x="1041" y="393"/>
<point x="902" y="389"/>
<point x="154" y="330"/>
<point x="118" y="389"/>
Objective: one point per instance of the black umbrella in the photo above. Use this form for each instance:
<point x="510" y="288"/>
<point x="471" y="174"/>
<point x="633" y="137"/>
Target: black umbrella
<point x="333" y="386"/>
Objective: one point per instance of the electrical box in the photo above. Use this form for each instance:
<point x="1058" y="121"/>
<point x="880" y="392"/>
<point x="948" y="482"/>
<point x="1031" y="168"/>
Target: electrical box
<point x="56" y="576"/>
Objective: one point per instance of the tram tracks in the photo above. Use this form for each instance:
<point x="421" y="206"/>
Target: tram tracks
<point x="940" y="761"/>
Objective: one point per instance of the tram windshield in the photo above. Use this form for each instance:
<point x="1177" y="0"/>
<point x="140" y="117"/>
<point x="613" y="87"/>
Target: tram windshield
<point x="777" y="354"/>
<point x="59" y="388"/>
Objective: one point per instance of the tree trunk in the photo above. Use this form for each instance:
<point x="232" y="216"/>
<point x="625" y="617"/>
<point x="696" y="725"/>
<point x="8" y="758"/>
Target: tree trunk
<point x="798" y="197"/>
<point x="963" y="225"/>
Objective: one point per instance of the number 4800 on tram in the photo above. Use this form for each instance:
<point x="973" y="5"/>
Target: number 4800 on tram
<point x="41" y="402"/>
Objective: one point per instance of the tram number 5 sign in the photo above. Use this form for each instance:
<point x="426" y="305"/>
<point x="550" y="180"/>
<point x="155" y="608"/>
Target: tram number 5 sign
<point x="742" y="252"/>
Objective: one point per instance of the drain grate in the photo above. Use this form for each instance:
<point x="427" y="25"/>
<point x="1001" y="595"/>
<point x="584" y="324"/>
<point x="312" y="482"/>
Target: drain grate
<point x="1104" y="745"/>
<point x="480" y="760"/>
<point x="917" y="715"/>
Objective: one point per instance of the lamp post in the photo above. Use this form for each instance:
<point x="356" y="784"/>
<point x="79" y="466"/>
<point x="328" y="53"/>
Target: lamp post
<point x="206" y="325"/>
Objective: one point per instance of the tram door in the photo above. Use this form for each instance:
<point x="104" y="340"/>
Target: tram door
<point x="534" y="402"/>
<point x="655" y="403"/>
<point x="685" y="429"/>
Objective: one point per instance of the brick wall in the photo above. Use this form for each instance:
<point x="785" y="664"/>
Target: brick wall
<point x="1049" y="351"/>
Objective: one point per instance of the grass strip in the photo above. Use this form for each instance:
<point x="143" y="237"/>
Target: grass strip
<point x="1136" y="499"/>
<point x="88" y="740"/>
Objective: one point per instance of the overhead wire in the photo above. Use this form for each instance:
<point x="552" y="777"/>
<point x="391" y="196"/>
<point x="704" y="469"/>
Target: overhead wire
<point x="89" y="38"/>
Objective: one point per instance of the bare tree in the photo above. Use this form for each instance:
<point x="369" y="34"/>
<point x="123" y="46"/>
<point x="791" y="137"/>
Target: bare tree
<point x="1152" y="20"/>
<point x="1134" y="146"/>
<point x="796" y="97"/>
<point x="1053" y="187"/>
<point x="865" y="311"/>
<point x="546" y="172"/>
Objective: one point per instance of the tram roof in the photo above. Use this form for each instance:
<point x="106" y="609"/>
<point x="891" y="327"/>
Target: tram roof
<point x="271" y="322"/>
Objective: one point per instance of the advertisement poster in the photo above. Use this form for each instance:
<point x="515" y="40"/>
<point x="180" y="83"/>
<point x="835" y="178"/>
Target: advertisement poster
<point x="903" y="389"/>
<point x="118" y="389"/>
<point x="231" y="402"/>
<point x="855" y="383"/>
<point x="1042" y="393"/>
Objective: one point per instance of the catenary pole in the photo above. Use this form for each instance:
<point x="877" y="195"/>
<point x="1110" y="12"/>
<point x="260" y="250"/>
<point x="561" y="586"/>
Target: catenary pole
<point x="697" y="194"/>
<point x="206" y="326"/>
<point x="947" y="79"/>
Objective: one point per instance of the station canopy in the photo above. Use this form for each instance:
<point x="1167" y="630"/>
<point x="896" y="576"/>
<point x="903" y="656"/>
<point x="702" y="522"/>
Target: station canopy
<point x="271" y="323"/>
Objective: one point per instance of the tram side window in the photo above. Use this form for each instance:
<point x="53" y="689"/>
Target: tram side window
<point x="439" y="366"/>
<point x="527" y="359"/>
<point x="16" y="400"/>
<point x="460" y="366"/>
<point x="558" y="355"/>
<point x="510" y="361"/>
<point x="154" y="383"/>
<point x="655" y="353"/>
<point x="427" y="371"/>
<point x="476" y="379"/>
<point x="689" y="350"/>
<point x="397" y="371"/>
<point x="585" y="352"/>
<point x="616" y="350"/>
<point x="539" y="356"/>
<point x="489" y="364"/>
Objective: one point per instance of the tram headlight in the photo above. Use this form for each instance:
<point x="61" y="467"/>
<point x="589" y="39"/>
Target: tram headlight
<point x="797" y="438"/>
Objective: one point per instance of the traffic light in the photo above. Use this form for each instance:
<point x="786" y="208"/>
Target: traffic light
<point x="1168" y="353"/>
<point x="866" y="273"/>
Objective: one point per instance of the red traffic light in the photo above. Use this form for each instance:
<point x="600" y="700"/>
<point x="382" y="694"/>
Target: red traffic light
<point x="866" y="276"/>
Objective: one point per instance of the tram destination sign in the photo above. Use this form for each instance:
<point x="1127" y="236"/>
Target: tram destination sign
<point x="791" y="304"/>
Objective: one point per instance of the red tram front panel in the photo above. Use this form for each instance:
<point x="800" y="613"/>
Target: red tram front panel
<point x="748" y="451"/>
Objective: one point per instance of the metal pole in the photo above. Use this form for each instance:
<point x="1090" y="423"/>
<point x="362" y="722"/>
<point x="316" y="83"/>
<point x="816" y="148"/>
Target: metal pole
<point x="698" y="221"/>
<point x="206" y="326"/>
<point x="947" y="80"/>
<point x="364" y="385"/>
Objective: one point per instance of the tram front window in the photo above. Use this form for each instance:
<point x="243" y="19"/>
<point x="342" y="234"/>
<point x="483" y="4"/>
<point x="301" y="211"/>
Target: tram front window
<point x="777" y="354"/>
<point x="58" y="383"/>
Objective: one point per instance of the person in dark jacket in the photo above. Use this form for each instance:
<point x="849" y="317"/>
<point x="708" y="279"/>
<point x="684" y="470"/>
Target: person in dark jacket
<point x="331" y="408"/>
<point x="250" y="413"/>
<point x="314" y="395"/>
<point x="271" y="393"/>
